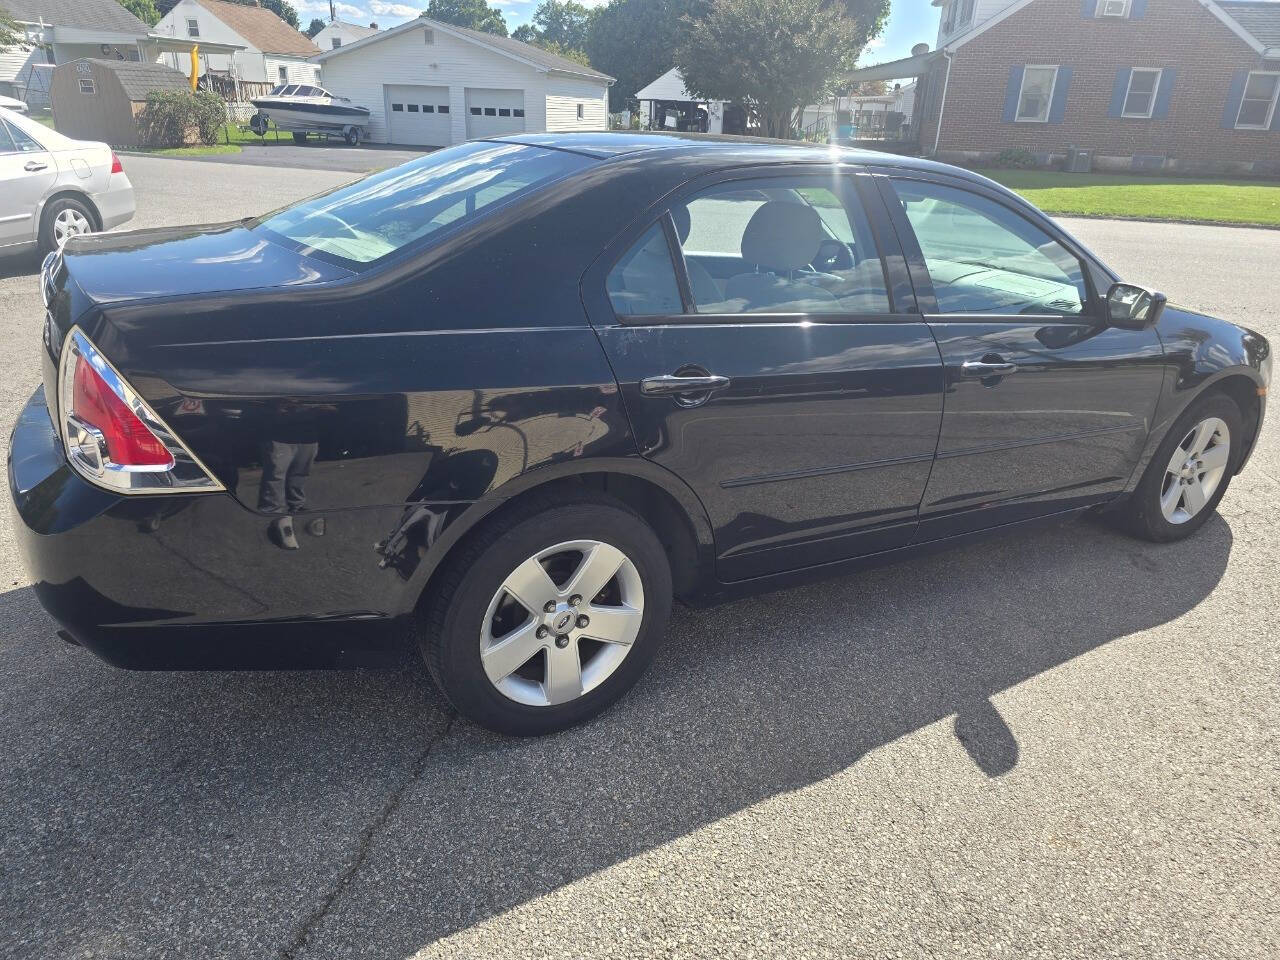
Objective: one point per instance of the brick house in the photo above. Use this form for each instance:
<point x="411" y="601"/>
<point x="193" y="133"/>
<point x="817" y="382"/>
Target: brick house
<point x="1187" y="86"/>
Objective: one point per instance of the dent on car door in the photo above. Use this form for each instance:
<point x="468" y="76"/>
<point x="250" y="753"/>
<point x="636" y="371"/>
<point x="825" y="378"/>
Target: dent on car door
<point x="763" y="360"/>
<point x="1047" y="405"/>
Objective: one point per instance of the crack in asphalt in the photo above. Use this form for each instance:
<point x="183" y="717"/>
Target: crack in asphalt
<point x="299" y="942"/>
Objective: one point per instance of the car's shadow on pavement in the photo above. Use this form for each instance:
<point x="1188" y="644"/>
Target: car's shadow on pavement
<point x="349" y="814"/>
<point x="19" y="265"/>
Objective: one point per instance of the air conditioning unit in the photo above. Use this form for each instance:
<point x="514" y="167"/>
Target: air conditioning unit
<point x="1113" y="8"/>
<point x="1079" y="161"/>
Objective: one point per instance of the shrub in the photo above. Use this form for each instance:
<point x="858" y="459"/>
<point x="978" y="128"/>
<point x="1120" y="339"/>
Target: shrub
<point x="1015" y="158"/>
<point x="170" y="117"/>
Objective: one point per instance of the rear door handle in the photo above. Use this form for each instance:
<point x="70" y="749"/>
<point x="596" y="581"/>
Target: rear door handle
<point x="673" y="385"/>
<point x="981" y="369"/>
<point x="34" y="166"/>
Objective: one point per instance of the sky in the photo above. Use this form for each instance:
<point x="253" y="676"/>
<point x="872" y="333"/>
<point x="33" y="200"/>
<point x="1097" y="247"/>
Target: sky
<point x="910" y="21"/>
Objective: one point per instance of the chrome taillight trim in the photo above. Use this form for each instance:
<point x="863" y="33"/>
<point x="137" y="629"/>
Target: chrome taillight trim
<point x="187" y="474"/>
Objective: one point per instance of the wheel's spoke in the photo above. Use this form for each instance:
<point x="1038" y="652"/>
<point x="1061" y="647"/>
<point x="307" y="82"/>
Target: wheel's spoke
<point x="613" y="624"/>
<point x="597" y="568"/>
<point x="1215" y="456"/>
<point x="1204" y="433"/>
<point x="1169" y="499"/>
<point x="511" y="652"/>
<point x="564" y="674"/>
<point x="1193" y="494"/>
<point x="530" y="585"/>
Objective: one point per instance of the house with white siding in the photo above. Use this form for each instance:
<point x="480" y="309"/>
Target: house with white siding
<point x="435" y="84"/>
<point x="273" y="52"/>
<point x="338" y="32"/>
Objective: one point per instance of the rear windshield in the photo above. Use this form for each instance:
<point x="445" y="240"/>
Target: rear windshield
<point x="373" y="218"/>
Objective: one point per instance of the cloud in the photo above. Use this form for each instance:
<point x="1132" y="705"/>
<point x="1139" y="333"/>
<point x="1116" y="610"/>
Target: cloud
<point x="508" y="3"/>
<point x="383" y="9"/>
<point x="875" y="43"/>
<point x="347" y="10"/>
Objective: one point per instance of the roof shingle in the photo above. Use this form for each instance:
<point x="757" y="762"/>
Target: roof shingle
<point x="105" y="15"/>
<point x="139" y="79"/>
<point x="1261" y="19"/>
<point x="262" y="28"/>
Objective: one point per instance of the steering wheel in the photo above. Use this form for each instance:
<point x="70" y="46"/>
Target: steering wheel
<point x="832" y="255"/>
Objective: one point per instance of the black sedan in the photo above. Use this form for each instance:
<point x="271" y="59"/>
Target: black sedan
<point x="517" y="395"/>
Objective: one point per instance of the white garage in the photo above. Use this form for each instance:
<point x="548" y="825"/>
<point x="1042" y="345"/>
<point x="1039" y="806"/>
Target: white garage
<point x="418" y="115"/>
<point x="433" y="84"/>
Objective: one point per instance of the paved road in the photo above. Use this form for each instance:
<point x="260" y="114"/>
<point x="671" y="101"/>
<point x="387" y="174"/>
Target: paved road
<point x="316" y="155"/>
<point x="1052" y="745"/>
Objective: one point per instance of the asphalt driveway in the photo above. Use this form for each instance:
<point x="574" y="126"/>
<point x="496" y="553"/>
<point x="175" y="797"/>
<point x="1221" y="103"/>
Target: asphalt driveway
<point x="1053" y="745"/>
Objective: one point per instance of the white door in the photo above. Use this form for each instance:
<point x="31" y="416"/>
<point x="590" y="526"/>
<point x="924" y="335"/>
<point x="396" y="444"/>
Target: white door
<point x="494" y="113"/>
<point x="418" y="115"/>
<point x="25" y="176"/>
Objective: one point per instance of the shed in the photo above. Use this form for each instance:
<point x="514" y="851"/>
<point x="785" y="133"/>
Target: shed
<point x="100" y="99"/>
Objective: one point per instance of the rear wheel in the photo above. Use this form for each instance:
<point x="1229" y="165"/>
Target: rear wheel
<point x="548" y="615"/>
<point x="1190" y="472"/>
<point x="64" y="218"/>
<point x="352" y="136"/>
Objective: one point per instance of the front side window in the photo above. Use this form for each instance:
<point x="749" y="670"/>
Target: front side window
<point x="22" y="141"/>
<point x="780" y="245"/>
<point x="643" y="281"/>
<point x="1140" y="100"/>
<point x="983" y="258"/>
<point x="1036" y="94"/>
<point x="1258" y="105"/>
<point x="374" y="217"/>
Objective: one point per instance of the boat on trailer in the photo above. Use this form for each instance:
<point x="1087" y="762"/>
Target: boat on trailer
<point x="301" y="108"/>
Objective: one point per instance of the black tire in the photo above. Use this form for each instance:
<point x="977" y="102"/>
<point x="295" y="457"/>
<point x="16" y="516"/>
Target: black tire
<point x="1141" y="514"/>
<point x="450" y="626"/>
<point x="352" y="137"/>
<point x="299" y="138"/>
<point x="47" y="241"/>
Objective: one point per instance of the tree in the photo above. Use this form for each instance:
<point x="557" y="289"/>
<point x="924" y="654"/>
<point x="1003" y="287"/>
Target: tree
<point x="11" y="35"/>
<point x="144" y="10"/>
<point x="565" y="23"/>
<point x="314" y="27"/>
<point x="774" y="56"/>
<point x="474" y="14"/>
<point x="635" y="40"/>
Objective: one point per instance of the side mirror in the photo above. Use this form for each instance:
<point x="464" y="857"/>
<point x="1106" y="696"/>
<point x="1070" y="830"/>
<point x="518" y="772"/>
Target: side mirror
<point x="1134" y="307"/>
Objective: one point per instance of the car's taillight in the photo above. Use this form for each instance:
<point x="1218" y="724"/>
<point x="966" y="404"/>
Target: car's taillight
<point x="116" y="165"/>
<point x="112" y="436"/>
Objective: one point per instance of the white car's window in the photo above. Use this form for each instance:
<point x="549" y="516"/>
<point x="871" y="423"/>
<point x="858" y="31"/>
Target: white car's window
<point x="984" y="258"/>
<point x="6" y="141"/>
<point x="22" y="142"/>
<point x="374" y="217"/>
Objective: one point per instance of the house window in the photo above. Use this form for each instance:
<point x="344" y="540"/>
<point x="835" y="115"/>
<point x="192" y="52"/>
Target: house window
<point x="193" y="27"/>
<point x="1140" y="99"/>
<point x="1036" y="94"/>
<point x="87" y="87"/>
<point x="1118" y="9"/>
<point x="966" y="13"/>
<point x="1258" y="105"/>
<point x="581" y="112"/>
<point x="283" y="73"/>
<point x="948" y="19"/>
<point x="336" y="41"/>
<point x="429" y="36"/>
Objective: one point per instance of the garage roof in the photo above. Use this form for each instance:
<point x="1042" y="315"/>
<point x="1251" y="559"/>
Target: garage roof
<point x="523" y="52"/>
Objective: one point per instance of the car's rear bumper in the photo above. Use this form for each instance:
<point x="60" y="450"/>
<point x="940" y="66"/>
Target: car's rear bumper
<point x="116" y="204"/>
<point x="191" y="581"/>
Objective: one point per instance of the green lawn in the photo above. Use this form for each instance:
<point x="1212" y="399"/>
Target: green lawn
<point x="196" y="151"/>
<point x="1158" y="198"/>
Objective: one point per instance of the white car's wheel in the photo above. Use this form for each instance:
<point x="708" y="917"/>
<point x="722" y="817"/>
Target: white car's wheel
<point x="63" y="219"/>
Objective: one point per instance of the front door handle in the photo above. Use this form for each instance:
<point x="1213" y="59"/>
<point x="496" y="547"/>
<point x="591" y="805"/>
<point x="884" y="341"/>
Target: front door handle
<point x="670" y="385"/>
<point x="34" y="166"/>
<point x="981" y="369"/>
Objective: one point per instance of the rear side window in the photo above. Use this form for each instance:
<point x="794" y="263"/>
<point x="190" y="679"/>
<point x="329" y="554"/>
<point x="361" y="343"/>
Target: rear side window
<point x="780" y="245"/>
<point x="643" y="282"/>
<point x="984" y="258"/>
<point x="374" y="217"/>
<point x="6" y="142"/>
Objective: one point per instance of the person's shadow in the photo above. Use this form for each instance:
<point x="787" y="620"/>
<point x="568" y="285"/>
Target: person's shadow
<point x="352" y="812"/>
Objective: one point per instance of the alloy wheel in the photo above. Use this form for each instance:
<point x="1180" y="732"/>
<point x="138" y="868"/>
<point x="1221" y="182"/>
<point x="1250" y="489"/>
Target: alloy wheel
<point x="562" y="622"/>
<point x="68" y="223"/>
<point x="1195" y="470"/>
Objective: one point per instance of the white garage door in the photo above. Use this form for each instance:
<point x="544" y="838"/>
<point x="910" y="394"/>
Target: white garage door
<point x="494" y="113"/>
<point x="418" y="115"/>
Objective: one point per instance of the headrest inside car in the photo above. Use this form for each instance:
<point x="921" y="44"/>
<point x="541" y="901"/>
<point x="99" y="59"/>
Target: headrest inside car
<point x="782" y="235"/>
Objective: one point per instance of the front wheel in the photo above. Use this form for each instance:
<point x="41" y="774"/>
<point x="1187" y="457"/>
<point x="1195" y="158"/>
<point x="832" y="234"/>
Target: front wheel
<point x="549" y="615"/>
<point x="1190" y="472"/>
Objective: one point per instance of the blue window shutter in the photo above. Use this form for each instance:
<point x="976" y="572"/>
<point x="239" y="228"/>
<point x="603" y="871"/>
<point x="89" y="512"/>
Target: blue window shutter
<point x="1234" y="95"/>
<point x="1011" y="94"/>
<point x="1118" y="91"/>
<point x="1089" y="9"/>
<point x="1059" y="106"/>
<point x="1275" y="119"/>
<point x="1137" y="9"/>
<point x="1163" y="93"/>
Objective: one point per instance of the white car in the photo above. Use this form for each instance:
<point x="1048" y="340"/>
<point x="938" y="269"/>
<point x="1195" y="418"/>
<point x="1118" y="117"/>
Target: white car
<point x="9" y="103"/>
<point x="53" y="187"/>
